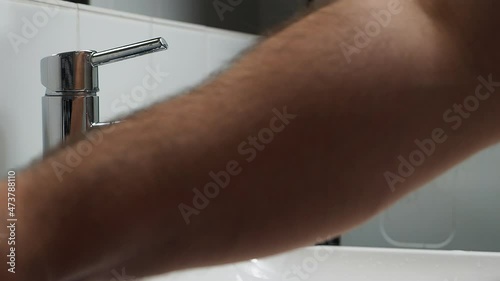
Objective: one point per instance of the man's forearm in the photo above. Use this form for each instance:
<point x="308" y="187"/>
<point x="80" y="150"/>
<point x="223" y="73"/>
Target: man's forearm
<point x="328" y="129"/>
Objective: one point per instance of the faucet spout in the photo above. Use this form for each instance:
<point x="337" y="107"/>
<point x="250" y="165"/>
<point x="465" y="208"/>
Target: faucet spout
<point x="128" y="51"/>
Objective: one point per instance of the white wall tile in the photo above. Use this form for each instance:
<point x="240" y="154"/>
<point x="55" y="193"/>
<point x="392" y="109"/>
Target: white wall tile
<point x="179" y="10"/>
<point x="224" y="47"/>
<point x="185" y="60"/>
<point x="45" y="29"/>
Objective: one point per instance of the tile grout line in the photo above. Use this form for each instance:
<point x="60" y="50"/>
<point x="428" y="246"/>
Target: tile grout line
<point x="208" y="52"/>
<point x="151" y="28"/>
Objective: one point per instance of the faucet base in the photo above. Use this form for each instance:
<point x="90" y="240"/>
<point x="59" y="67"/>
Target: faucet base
<point x="67" y="118"/>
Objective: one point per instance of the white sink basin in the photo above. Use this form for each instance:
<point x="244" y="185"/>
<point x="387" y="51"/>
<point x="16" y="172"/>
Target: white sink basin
<point x="345" y="263"/>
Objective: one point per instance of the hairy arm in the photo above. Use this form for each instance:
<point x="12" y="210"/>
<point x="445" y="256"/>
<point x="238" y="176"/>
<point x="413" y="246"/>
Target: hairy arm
<point x="301" y="134"/>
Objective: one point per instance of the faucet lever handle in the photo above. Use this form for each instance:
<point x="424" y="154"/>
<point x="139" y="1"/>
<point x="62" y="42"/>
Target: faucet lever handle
<point x="76" y="72"/>
<point x="128" y="51"/>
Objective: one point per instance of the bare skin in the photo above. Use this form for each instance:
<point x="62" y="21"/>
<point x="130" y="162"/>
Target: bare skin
<point x="321" y="175"/>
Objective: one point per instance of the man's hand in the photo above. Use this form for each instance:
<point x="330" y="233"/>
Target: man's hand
<point x="472" y="26"/>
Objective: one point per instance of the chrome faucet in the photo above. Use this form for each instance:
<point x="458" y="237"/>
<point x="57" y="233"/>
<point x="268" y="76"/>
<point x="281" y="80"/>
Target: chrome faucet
<point x="70" y="106"/>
